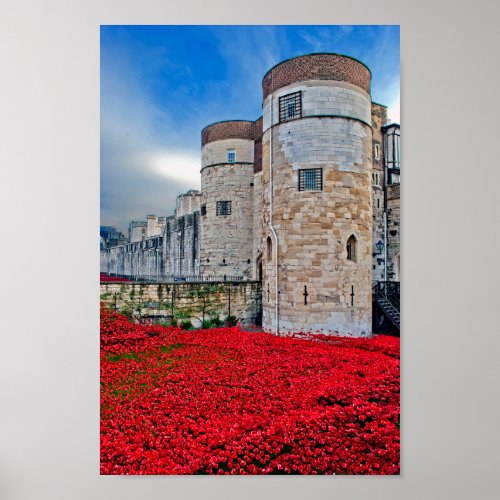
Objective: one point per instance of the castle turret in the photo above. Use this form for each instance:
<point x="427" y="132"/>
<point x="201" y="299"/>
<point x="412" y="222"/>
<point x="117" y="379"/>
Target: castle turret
<point x="316" y="184"/>
<point x="227" y="203"/>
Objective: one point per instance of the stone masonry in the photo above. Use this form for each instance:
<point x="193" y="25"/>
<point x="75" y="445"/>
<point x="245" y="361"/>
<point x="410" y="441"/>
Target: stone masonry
<point x="313" y="247"/>
<point x="227" y="238"/>
<point x="319" y="288"/>
<point x="185" y="301"/>
<point x="379" y="120"/>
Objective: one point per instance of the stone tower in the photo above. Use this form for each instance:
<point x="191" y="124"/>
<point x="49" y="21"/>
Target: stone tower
<point x="227" y="198"/>
<point x="316" y="188"/>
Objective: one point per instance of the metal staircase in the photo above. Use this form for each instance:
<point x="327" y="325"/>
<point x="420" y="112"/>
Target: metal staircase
<point x="386" y="302"/>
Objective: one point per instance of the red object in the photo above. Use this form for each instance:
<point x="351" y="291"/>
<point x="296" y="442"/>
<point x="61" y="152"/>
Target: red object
<point x="224" y="401"/>
<point x="106" y="277"/>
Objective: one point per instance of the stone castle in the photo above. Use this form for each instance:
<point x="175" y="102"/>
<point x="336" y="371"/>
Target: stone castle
<point x="305" y="199"/>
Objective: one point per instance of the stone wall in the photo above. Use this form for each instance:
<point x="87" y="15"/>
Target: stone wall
<point x="187" y="203"/>
<point x="323" y="98"/>
<point x="181" y="248"/>
<point x="313" y="226"/>
<point x="176" y="252"/>
<point x="137" y="230"/>
<point x="141" y="259"/>
<point x="379" y="119"/>
<point x="257" y="155"/>
<point x="215" y="153"/>
<point x="393" y="232"/>
<point x="155" y="225"/>
<point x="185" y="300"/>
<point x="227" y="240"/>
<point x="258" y="224"/>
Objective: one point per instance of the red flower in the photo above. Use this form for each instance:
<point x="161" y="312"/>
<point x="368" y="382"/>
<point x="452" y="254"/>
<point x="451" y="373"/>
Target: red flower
<point x="224" y="401"/>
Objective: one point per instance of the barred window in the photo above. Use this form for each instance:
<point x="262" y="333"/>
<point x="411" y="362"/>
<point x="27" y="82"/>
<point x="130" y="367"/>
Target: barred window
<point x="311" y="179"/>
<point x="203" y="210"/>
<point x="290" y="107"/>
<point x="231" y="155"/>
<point x="223" y="208"/>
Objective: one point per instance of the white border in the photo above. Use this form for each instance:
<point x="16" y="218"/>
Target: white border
<point x="49" y="155"/>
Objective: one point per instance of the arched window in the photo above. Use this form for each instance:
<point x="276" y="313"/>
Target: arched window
<point x="269" y="248"/>
<point x="351" y="248"/>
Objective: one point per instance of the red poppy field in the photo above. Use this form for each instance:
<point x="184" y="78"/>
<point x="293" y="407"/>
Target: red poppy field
<point x="225" y="401"/>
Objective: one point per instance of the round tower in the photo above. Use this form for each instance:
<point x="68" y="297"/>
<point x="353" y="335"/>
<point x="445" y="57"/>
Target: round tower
<point x="227" y="198"/>
<point x="316" y="162"/>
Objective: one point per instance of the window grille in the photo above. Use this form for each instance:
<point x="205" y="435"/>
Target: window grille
<point x="223" y="208"/>
<point x="311" y="179"/>
<point x="203" y="210"/>
<point x="290" y="107"/>
<point x="231" y="155"/>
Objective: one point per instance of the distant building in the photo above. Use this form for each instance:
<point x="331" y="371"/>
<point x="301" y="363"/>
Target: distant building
<point x="110" y="237"/>
<point x="141" y="230"/>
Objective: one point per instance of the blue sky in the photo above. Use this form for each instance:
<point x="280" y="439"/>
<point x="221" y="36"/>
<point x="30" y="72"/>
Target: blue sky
<point x="160" y="85"/>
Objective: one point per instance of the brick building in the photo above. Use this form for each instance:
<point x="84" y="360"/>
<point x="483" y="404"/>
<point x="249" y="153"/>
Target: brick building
<point x="304" y="199"/>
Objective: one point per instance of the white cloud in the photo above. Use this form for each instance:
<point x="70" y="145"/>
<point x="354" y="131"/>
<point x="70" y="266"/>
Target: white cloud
<point x="181" y="167"/>
<point x="393" y="111"/>
<point x="144" y="164"/>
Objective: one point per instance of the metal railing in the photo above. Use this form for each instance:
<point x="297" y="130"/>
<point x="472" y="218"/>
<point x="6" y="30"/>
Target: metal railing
<point x="386" y="307"/>
<point x="171" y="278"/>
<point x="390" y="290"/>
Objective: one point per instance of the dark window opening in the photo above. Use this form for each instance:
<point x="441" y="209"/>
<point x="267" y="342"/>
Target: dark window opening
<point x="269" y="248"/>
<point x="223" y="208"/>
<point x="290" y="106"/>
<point x="351" y="248"/>
<point x="203" y="210"/>
<point x="311" y="179"/>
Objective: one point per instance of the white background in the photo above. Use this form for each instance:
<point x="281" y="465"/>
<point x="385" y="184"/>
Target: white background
<point x="49" y="196"/>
